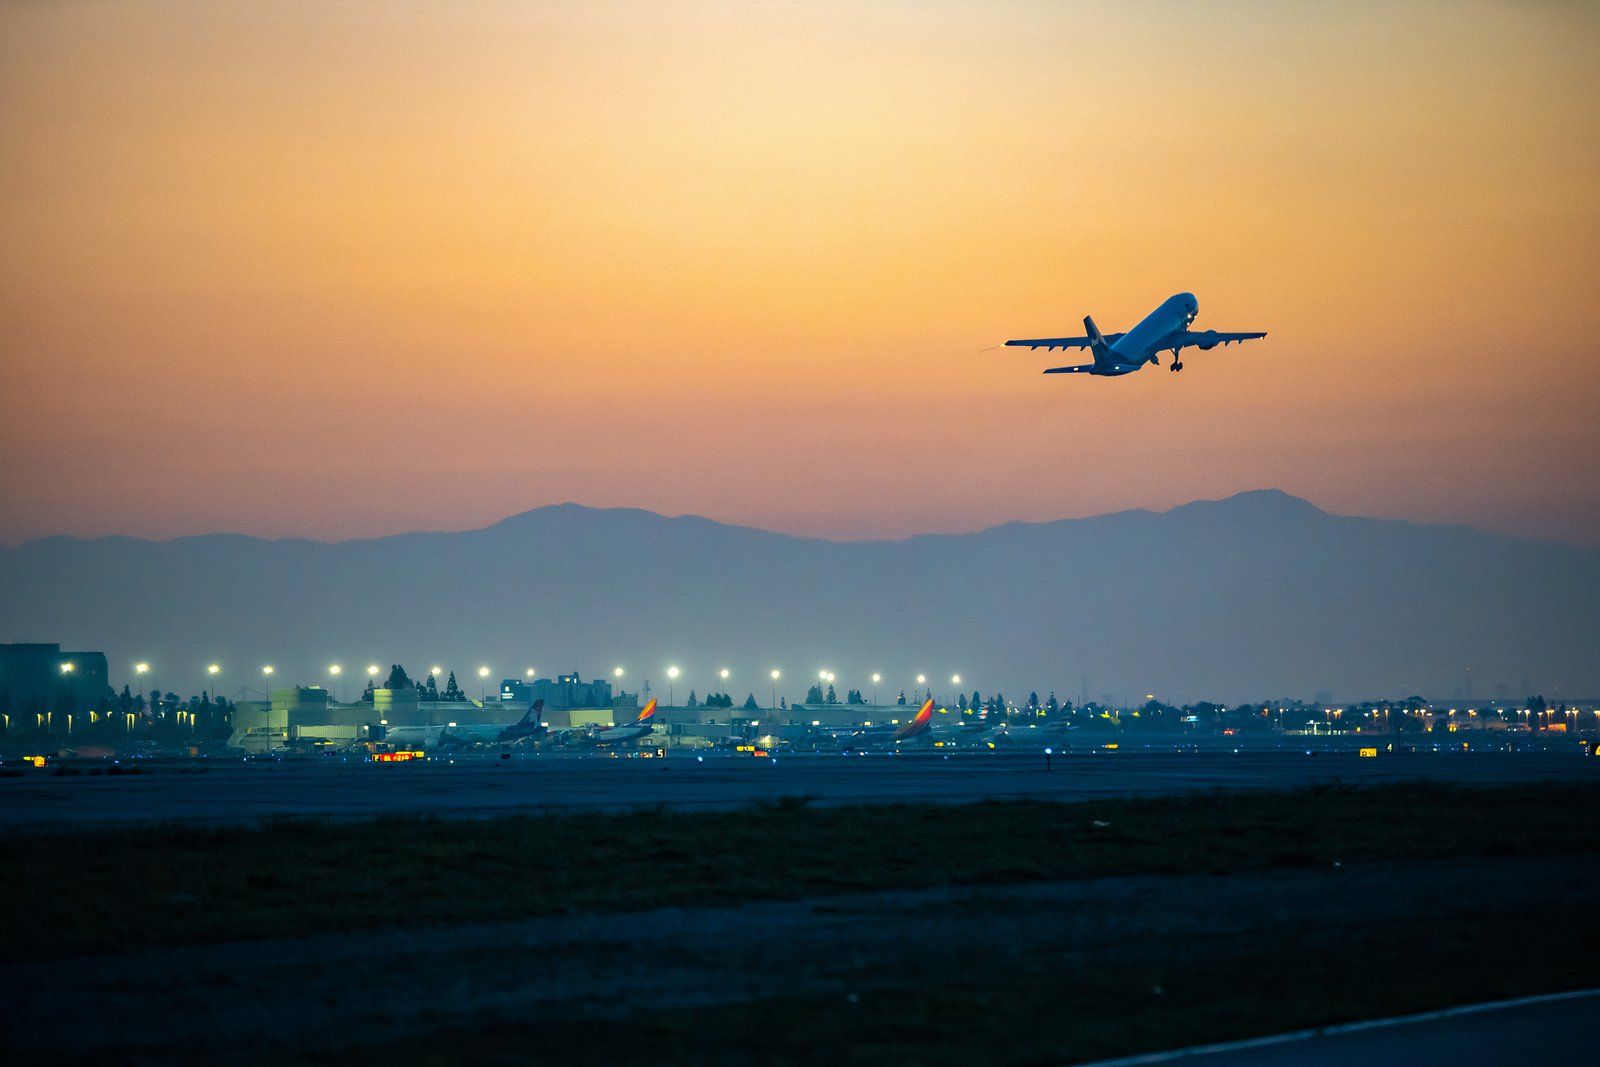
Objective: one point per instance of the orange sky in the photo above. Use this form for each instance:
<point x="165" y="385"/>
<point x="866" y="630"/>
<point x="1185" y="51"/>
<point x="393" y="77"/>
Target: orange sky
<point x="342" y="270"/>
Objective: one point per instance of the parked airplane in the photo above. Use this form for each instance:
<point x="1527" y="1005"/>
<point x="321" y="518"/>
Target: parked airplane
<point x="874" y="736"/>
<point x="1115" y="354"/>
<point x="640" y="727"/>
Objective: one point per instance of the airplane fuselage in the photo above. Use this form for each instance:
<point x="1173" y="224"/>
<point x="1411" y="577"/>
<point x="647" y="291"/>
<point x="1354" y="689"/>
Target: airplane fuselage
<point x="1139" y="345"/>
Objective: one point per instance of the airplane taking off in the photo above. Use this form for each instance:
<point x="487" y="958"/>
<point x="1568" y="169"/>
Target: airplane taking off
<point x="1115" y="354"/>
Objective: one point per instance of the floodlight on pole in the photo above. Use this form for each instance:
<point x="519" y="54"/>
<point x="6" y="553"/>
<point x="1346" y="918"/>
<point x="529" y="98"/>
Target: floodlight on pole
<point x="776" y="674"/>
<point x="672" y="674"/>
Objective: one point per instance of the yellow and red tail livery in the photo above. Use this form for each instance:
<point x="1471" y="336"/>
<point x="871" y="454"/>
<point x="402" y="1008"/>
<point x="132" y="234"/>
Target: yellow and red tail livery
<point x="648" y="712"/>
<point x="918" y="724"/>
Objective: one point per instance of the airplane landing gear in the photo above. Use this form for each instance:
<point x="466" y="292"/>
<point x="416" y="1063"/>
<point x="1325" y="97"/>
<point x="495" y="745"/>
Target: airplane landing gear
<point x="1176" y="366"/>
<point x="1177" y="359"/>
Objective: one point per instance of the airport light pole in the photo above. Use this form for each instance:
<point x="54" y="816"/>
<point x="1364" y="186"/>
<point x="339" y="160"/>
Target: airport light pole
<point x="483" y="685"/>
<point x="876" y="678"/>
<point x="266" y="682"/>
<point x="672" y="675"/>
<point x="140" y="670"/>
<point x="776" y="674"/>
<point x="334" y="670"/>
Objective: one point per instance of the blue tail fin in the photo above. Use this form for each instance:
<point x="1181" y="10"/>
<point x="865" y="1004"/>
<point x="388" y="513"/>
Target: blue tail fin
<point x="1097" y="343"/>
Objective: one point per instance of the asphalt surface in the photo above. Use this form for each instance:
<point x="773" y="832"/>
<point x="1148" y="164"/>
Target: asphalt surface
<point x="1554" y="1030"/>
<point x="226" y="791"/>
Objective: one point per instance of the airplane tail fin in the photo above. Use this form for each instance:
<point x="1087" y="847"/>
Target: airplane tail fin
<point x="648" y="713"/>
<point x="917" y="725"/>
<point x="1097" y="342"/>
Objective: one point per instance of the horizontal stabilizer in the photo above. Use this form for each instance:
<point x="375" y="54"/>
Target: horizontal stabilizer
<point x="1083" y="368"/>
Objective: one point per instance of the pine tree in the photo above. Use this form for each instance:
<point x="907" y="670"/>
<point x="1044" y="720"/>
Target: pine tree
<point x="1052" y="707"/>
<point x="452" y="691"/>
<point x="750" y="703"/>
<point x="398" y="679"/>
<point x="693" y="703"/>
<point x="814" y="695"/>
<point x="1033" y="701"/>
<point x="833" y="698"/>
<point x="431" y="688"/>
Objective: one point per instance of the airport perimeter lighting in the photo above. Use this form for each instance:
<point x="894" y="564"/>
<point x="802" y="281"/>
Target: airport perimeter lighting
<point x="822" y="675"/>
<point x="483" y="672"/>
<point x="335" y="670"/>
<point x="672" y="675"/>
<point x="372" y="669"/>
<point x="68" y="667"/>
<point x="436" y="671"/>
<point x="876" y="678"/>
<point x="141" y="668"/>
<point x="530" y="672"/>
<point x="955" y="679"/>
<point x="616" y="672"/>
<point x="922" y="679"/>
<point x="214" y="668"/>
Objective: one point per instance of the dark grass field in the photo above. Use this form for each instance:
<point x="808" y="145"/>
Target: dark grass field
<point x="1026" y="1005"/>
<point x="105" y="892"/>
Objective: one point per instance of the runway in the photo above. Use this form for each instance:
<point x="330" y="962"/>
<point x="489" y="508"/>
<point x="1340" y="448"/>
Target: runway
<point x="227" y="791"/>
<point x="1553" y="1029"/>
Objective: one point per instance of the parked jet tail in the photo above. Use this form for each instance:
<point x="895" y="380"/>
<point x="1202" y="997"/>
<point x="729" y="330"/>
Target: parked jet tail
<point x="918" y="724"/>
<point x="648" y="713"/>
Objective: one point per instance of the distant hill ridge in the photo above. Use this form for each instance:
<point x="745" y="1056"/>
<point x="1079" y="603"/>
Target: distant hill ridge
<point x="1259" y="594"/>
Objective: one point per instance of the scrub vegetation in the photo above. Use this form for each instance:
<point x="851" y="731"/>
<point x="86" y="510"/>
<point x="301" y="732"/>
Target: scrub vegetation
<point x="77" y="894"/>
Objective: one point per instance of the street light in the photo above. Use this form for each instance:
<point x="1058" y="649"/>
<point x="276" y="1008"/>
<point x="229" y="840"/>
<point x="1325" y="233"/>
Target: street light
<point x="723" y="674"/>
<point x="530" y="672"/>
<point x="483" y="685"/>
<point x="436" y="671"/>
<point x="876" y="678"/>
<point x="616" y="672"/>
<point x="672" y="674"/>
<point x="141" y="669"/>
<point x="776" y="674"/>
<point x="334" y="670"/>
<point x="372" y="669"/>
<point x="266" y="683"/>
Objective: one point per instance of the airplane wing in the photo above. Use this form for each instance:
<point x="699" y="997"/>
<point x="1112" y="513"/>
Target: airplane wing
<point x="1082" y="368"/>
<point x="1204" y="339"/>
<point x="1060" y="342"/>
